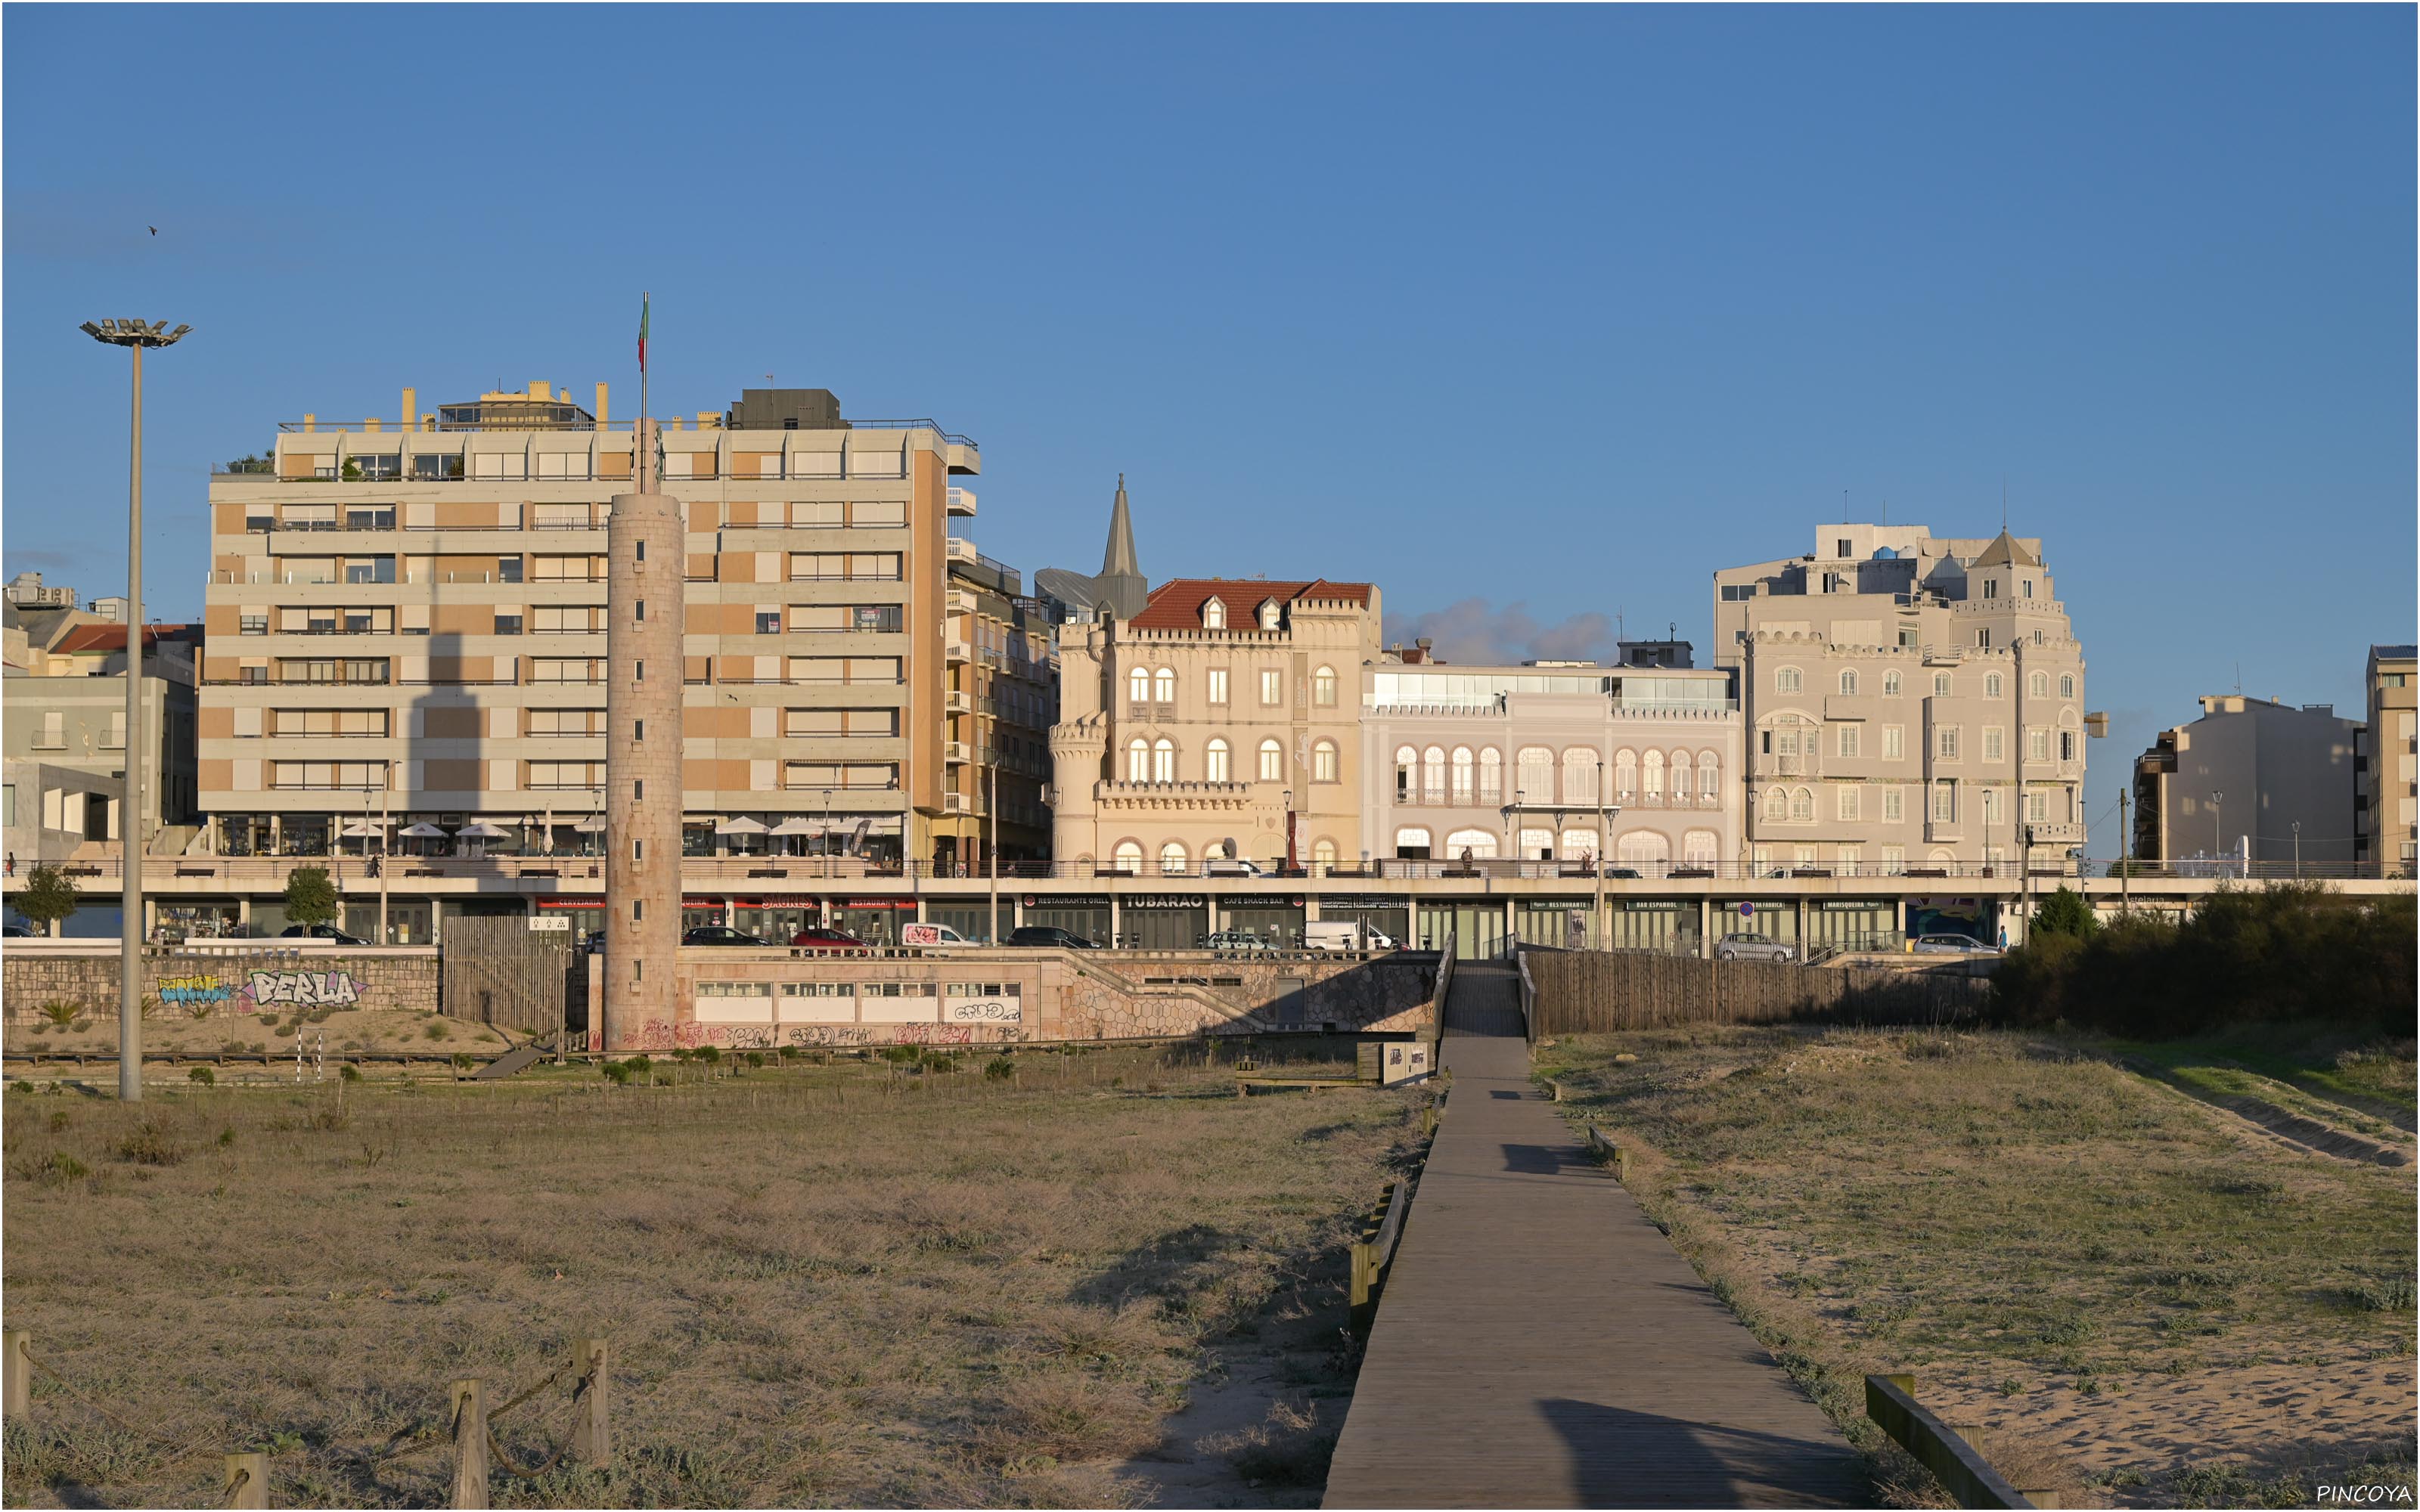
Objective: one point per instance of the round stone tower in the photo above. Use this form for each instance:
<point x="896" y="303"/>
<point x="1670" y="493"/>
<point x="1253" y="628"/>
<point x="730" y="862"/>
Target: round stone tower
<point x="643" y="757"/>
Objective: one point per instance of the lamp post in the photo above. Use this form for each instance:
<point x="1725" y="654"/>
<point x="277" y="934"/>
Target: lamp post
<point x="2298" y="850"/>
<point x="134" y="335"/>
<point x="2217" y="797"/>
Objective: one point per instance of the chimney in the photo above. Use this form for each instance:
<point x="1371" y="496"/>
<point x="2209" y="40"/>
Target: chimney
<point x="411" y="406"/>
<point x="600" y="407"/>
<point x="310" y="422"/>
<point x="537" y="390"/>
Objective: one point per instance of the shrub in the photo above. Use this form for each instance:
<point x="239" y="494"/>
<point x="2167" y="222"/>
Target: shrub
<point x="348" y="1071"/>
<point x="62" y="1015"/>
<point x="1000" y="1069"/>
<point x="616" y="1073"/>
<point x="436" y="1030"/>
<point x="59" y="1168"/>
<point x="151" y="1143"/>
<point x="756" y="1057"/>
<point x="202" y="1076"/>
<point x="48" y="897"/>
<point x="788" y="1052"/>
<point x="707" y="1052"/>
<point x="2065" y="912"/>
<point x="310" y="897"/>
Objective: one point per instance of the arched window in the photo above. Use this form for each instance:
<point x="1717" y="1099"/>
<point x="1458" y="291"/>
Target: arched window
<point x="1581" y="776"/>
<point x="1163" y="760"/>
<point x="1322" y="687"/>
<point x="1479" y="844"/>
<point x="2037" y="684"/>
<point x="1700" y="847"/>
<point x="1433" y="775"/>
<point x="1272" y="762"/>
<point x="1680" y="777"/>
<point x="1491" y="776"/>
<point x="1788" y="681"/>
<point x="1642" y="848"/>
<point x="1138" y="684"/>
<point x="1163" y="686"/>
<point x="1776" y="806"/>
<point x="1139" y="760"/>
<point x="1214" y="762"/>
<point x="1323" y="856"/>
<point x="1941" y="685"/>
<point x="1213" y="614"/>
<point x="1537" y="774"/>
<point x="1801" y="804"/>
<point x="1710" y="771"/>
<point x="1323" y="762"/>
<point x="1890" y="685"/>
<point x="2066" y="685"/>
<point x="1991" y="685"/>
<point x="1412" y="844"/>
<point x="1129" y="857"/>
<point x="1650" y="777"/>
<point x="1172" y="860"/>
<point x="1536" y="846"/>
<point x="1576" y="844"/>
<point x="1269" y="614"/>
<point x="1461" y="774"/>
<point x="1849" y="681"/>
<point x="1407" y="780"/>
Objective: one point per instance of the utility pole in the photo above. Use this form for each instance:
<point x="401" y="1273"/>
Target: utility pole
<point x="2125" y="847"/>
<point x="2217" y="797"/>
<point x="133" y="336"/>
<point x="2298" y="850"/>
<point x="385" y="861"/>
<point x="992" y="771"/>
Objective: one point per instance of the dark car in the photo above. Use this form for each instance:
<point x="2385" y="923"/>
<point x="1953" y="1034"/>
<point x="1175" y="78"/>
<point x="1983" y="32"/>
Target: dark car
<point x="817" y="937"/>
<point x="321" y="932"/>
<point x="718" y="934"/>
<point x="1050" y="936"/>
<point x="15" y="931"/>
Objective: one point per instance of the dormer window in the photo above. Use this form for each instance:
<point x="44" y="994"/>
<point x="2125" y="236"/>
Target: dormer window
<point x="1268" y="615"/>
<point x="1214" y="615"/>
<point x="1991" y="588"/>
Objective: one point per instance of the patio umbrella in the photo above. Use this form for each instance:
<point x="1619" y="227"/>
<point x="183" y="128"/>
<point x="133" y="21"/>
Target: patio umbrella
<point x="425" y="832"/>
<point x="793" y="826"/>
<point x="358" y="831"/>
<point x="593" y="825"/>
<point x="477" y="830"/>
<point x="741" y="826"/>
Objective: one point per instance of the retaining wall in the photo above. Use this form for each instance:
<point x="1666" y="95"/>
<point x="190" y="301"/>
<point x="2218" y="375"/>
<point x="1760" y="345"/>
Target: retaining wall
<point x="217" y="982"/>
<point x="1594" y="992"/>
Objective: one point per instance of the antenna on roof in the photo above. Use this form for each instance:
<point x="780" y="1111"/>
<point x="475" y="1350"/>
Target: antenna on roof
<point x="2004" y="503"/>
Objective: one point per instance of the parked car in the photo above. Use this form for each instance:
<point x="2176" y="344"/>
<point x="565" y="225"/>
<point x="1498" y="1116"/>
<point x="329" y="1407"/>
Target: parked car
<point x="1236" y="942"/>
<point x="1952" y="944"/>
<point x="321" y="932"/>
<point x="932" y="936"/>
<point x="1049" y="937"/>
<point x="1345" y="935"/>
<point x="818" y="938"/>
<point x="1752" y="947"/>
<point x="718" y="934"/>
<point x="15" y="931"/>
<point x="1231" y="867"/>
<point x="1622" y="873"/>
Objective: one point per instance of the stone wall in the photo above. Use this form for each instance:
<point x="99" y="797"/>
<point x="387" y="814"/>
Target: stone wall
<point x="219" y="981"/>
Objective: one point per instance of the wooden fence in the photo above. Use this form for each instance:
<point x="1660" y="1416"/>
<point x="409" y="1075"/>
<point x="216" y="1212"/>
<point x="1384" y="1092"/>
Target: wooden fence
<point x="1592" y="992"/>
<point x="502" y="973"/>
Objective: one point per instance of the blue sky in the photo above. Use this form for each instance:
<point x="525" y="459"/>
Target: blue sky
<point x="1556" y="309"/>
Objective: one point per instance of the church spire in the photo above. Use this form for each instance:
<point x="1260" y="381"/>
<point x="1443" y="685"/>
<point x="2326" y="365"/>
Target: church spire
<point x="1120" y="560"/>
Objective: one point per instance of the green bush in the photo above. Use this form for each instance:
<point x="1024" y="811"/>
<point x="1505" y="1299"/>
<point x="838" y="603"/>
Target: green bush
<point x="616" y="1073"/>
<point x="2065" y="912"/>
<point x="348" y="1071"/>
<point x="202" y="1076"/>
<point x="756" y="1058"/>
<point x="789" y="1052"/>
<point x="709" y="1053"/>
<point x="1000" y="1069"/>
<point x="2286" y="951"/>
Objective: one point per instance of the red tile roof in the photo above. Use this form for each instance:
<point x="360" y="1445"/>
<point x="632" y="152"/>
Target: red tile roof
<point x="105" y="638"/>
<point x="1176" y="604"/>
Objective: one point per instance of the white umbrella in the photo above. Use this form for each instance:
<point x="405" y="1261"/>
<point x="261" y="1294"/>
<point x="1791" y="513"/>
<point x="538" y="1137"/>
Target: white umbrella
<point x="479" y="830"/>
<point x="593" y="825"/>
<point x="425" y="830"/>
<point x="793" y="826"/>
<point x="358" y="831"/>
<point x="741" y="826"/>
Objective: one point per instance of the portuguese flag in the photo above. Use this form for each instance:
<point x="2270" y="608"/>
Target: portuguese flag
<point x="643" y="332"/>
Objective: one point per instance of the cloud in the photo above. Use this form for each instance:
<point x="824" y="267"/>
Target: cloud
<point x="1475" y="634"/>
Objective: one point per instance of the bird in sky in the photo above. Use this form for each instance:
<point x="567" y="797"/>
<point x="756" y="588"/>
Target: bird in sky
<point x="155" y="230"/>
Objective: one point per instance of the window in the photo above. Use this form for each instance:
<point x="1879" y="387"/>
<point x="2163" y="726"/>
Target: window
<point x="1217" y="691"/>
<point x="2067" y="744"/>
<point x="1787" y="680"/>
<point x="1849" y="682"/>
<point x="1801" y="804"/>
<point x="1322" y="687"/>
<point x="1433" y="775"/>
<point x="1991" y="685"/>
<point x="1680" y="777"/>
<point x="1272" y="762"/>
<point x="1461" y="774"/>
<point x="838" y="724"/>
<point x="1945" y="802"/>
<point x="1890" y="685"/>
<point x="1172" y="860"/>
<point x="1991" y="588"/>
<point x="350" y="723"/>
<point x="1272" y="688"/>
<point x="2066" y="685"/>
<point x="253" y="622"/>
<point x="1709" y="776"/>
<point x="1650" y="777"/>
<point x="327" y="775"/>
<point x="1945" y="743"/>
<point x="1992" y="749"/>
<point x="2036" y="808"/>
<point x="1491" y="776"/>
<point x="1213" y="614"/>
<point x="2036" y="744"/>
<point x="55" y="732"/>
<point x="1323" y="853"/>
<point x="1407" y="775"/>
<point x="1412" y="844"/>
<point x="1892" y="813"/>
<point x="1700" y="847"/>
<point x="1845" y="803"/>
<point x="1139" y="686"/>
<point x="1323" y="762"/>
<point x="1269" y="614"/>
<point x="1581" y="774"/>
<point x="1894" y="743"/>
<point x="1128" y="857"/>
<point x="1849" y="738"/>
<point x="1214" y="762"/>
<point x="1163" y="760"/>
<point x="2037" y="684"/>
<point x="1776" y="804"/>
<point x="1138" y="761"/>
<point x="1840" y="547"/>
<point x="1536" y="844"/>
<point x="555" y="776"/>
<point x="1537" y="774"/>
<point x="1941" y="685"/>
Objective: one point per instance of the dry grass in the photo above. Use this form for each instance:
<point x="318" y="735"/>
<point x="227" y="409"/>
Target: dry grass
<point x="173" y="1029"/>
<point x="2010" y="1220"/>
<point x="823" y="1285"/>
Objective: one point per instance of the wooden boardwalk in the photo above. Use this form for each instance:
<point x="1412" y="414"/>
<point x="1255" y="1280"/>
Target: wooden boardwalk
<point x="1541" y="1344"/>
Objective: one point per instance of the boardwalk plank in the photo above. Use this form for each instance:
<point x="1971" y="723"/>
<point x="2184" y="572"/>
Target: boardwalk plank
<point x="1542" y="1344"/>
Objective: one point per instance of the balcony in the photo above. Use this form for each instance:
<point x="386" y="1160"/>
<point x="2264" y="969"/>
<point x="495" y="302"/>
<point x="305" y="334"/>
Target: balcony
<point x="956" y="803"/>
<point x="962" y="503"/>
<point x="957" y="752"/>
<point x="958" y="651"/>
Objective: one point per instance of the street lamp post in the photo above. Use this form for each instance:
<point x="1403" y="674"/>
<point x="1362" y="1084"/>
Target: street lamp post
<point x="2298" y="850"/>
<point x="134" y="335"/>
<point x="2217" y="797"/>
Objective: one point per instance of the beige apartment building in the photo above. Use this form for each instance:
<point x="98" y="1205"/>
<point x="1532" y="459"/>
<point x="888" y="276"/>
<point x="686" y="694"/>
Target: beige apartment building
<point x="407" y="627"/>
<point x="1911" y="703"/>
<point x="2387" y="817"/>
<point x="1221" y="722"/>
<point x="2253" y="779"/>
<point x="63" y="734"/>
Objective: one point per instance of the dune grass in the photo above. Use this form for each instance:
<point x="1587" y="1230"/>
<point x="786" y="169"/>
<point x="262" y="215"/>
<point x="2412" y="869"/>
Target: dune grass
<point x="829" y="1284"/>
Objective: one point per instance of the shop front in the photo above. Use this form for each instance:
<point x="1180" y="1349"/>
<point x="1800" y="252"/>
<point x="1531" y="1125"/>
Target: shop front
<point x="1978" y="918"/>
<point x="587" y="915"/>
<point x="972" y="919"/>
<point x="1084" y="917"/>
<point x="775" y="921"/>
<point x="1477" y="929"/>
<point x="176" y="921"/>
<point x="1163" y="921"/>
<point x="1276" y="919"/>
<point x="1663" y="924"/>
<point x="1560" y="923"/>
<point x="1777" y="921"/>
<point x="1853" y="924"/>
<point x="1390" y="916"/>
<point x="875" y="920"/>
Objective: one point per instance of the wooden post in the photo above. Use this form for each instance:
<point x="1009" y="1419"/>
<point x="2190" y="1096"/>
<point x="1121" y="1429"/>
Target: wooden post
<point x="247" y="1481"/>
<point x="470" y="1399"/>
<point x="591" y="1433"/>
<point x="17" y="1396"/>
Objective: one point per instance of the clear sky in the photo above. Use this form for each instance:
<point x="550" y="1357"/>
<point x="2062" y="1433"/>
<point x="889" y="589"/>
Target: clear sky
<point x="1527" y="316"/>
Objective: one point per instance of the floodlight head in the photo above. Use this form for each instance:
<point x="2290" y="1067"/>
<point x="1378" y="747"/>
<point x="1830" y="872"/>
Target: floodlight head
<point x="135" y="332"/>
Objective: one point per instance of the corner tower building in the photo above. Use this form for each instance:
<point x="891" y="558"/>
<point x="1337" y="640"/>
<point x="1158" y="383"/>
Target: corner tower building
<point x="642" y="754"/>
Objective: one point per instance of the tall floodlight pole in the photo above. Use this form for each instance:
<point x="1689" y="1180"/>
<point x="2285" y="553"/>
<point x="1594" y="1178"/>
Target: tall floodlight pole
<point x="134" y="335"/>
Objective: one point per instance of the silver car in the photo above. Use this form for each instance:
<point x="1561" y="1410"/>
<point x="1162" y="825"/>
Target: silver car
<point x="1753" y="948"/>
<point x="1952" y="944"/>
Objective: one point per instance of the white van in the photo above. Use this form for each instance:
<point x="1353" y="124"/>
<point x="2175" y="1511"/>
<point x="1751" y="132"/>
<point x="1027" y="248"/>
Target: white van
<point x="1344" y="934"/>
<point x="931" y="936"/>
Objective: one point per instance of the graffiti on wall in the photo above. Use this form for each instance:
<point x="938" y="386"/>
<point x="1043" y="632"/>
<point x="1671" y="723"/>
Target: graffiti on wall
<point x="201" y="989"/>
<point x="304" y="989"/>
<point x="982" y="1011"/>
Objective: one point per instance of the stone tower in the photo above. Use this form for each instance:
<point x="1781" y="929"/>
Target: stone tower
<point x="1124" y="590"/>
<point x="642" y="755"/>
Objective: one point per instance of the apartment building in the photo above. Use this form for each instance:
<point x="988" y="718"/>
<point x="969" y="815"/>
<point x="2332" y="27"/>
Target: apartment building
<point x="1535" y="763"/>
<point x="1220" y="722"/>
<point x="64" y="735"/>
<point x="2251" y="779"/>
<point x="2387" y="802"/>
<point x="406" y="626"/>
<point x="1911" y="703"/>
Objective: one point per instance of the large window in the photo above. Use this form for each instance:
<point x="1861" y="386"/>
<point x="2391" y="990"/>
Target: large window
<point x="1802" y="805"/>
<point x="1491" y="776"/>
<point x="1128" y="857"/>
<point x="1407" y="775"/>
<point x="1163" y="686"/>
<point x="1163" y="760"/>
<point x="550" y="776"/>
<point x="846" y="724"/>
<point x="1845" y="806"/>
<point x="1463" y="774"/>
<point x="1537" y="774"/>
<point x="1788" y="680"/>
<point x="1852" y="737"/>
<point x="1272" y="688"/>
<point x="1709" y="776"/>
<point x="1272" y="762"/>
<point x="1945" y="802"/>
<point x="336" y="723"/>
<point x="1214" y="762"/>
<point x="325" y="774"/>
<point x="857" y="775"/>
<point x="1581" y="776"/>
<point x="1470" y="844"/>
<point x="1172" y="861"/>
<point x="1139" y="760"/>
<point x="1323" y="762"/>
<point x="1139" y="686"/>
<point x="1218" y="684"/>
<point x="1322" y="687"/>
<point x="1650" y="776"/>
